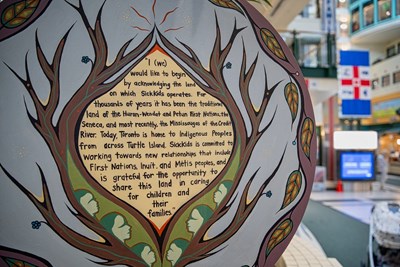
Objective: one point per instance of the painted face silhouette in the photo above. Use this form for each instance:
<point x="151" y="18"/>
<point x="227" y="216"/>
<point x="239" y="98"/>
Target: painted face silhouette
<point x="220" y="194"/>
<point x="195" y="222"/>
<point x="174" y="253"/>
<point x="120" y="229"/>
<point x="89" y="203"/>
<point x="148" y="255"/>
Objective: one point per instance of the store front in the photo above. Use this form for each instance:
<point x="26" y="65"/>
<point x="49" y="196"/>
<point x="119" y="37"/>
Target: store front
<point x="386" y="121"/>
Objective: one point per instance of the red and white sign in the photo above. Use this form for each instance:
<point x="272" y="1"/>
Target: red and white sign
<point x="354" y="82"/>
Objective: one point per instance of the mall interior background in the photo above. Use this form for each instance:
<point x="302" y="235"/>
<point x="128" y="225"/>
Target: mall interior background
<point x="339" y="215"/>
<point x="367" y="25"/>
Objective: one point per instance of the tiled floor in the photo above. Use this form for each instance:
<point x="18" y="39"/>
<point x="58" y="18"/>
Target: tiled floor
<point x="355" y="204"/>
<point x="302" y="252"/>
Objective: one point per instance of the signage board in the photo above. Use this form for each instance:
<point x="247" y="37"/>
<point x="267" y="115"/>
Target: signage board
<point x="354" y="84"/>
<point x="357" y="165"/>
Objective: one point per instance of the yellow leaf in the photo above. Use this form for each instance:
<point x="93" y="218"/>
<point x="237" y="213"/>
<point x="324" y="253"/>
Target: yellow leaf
<point x="307" y="132"/>
<point x="272" y="43"/>
<point x="279" y="234"/>
<point x="227" y="4"/>
<point x="16" y="14"/>
<point x="292" y="98"/>
<point x="293" y="187"/>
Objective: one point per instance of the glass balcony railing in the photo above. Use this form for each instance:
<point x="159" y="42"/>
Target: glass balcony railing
<point x="314" y="51"/>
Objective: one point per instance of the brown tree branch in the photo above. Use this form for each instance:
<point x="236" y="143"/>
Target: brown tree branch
<point x="112" y="250"/>
<point x="105" y="250"/>
<point x="243" y="211"/>
<point x="244" y="86"/>
<point x="96" y="36"/>
<point x="52" y="73"/>
<point x="215" y="86"/>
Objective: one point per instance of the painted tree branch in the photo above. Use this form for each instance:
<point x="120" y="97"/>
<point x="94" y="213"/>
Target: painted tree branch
<point x="212" y="81"/>
<point x="58" y="138"/>
<point x="93" y="87"/>
<point x="107" y="250"/>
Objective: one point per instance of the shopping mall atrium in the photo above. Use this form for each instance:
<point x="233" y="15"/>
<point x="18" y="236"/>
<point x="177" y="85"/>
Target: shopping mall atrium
<point x="339" y="212"/>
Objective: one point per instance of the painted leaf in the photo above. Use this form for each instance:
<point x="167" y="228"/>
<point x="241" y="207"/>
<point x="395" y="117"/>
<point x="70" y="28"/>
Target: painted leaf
<point x="272" y="44"/>
<point x="18" y="13"/>
<point x="227" y="4"/>
<point x="292" y="98"/>
<point x="17" y="263"/>
<point x="307" y="132"/>
<point x="293" y="187"/>
<point x="279" y="234"/>
<point x="263" y="2"/>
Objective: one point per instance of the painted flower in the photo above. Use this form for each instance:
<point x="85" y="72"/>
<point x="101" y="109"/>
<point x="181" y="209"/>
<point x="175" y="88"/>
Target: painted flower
<point x="36" y="224"/>
<point x="85" y="59"/>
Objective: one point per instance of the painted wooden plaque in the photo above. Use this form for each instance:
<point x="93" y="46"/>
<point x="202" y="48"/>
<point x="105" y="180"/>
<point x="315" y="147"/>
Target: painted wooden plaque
<point x="149" y="133"/>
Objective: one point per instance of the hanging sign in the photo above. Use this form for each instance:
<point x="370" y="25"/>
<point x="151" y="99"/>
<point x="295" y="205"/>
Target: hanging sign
<point x="354" y="84"/>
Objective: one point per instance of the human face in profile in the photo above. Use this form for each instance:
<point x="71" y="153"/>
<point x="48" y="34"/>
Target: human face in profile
<point x="120" y="229"/>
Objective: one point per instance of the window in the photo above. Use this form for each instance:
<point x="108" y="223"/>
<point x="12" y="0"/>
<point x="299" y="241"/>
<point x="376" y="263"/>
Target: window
<point x="391" y="51"/>
<point x="385" y="80"/>
<point x="398" y="7"/>
<point x="375" y="84"/>
<point x="311" y="10"/>
<point x="396" y="77"/>
<point x="385" y="9"/>
<point x="355" y="20"/>
<point x="368" y="12"/>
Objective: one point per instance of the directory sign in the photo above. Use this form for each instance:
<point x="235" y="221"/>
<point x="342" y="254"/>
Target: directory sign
<point x="357" y="165"/>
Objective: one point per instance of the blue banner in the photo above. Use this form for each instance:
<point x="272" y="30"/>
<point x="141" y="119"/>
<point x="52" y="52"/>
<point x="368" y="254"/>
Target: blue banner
<point x="354" y="58"/>
<point x="354" y="84"/>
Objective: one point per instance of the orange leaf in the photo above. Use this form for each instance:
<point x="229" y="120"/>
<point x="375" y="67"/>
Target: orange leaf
<point x="227" y="4"/>
<point x="272" y="44"/>
<point x="293" y="187"/>
<point x="307" y="132"/>
<point x="279" y="234"/>
<point x="292" y="98"/>
<point x="16" y="14"/>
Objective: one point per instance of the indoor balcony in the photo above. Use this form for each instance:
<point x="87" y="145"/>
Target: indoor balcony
<point x="314" y="51"/>
<point x="374" y="21"/>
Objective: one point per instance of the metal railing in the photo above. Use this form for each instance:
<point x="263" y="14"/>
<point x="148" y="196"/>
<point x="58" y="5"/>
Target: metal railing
<point x="312" y="49"/>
